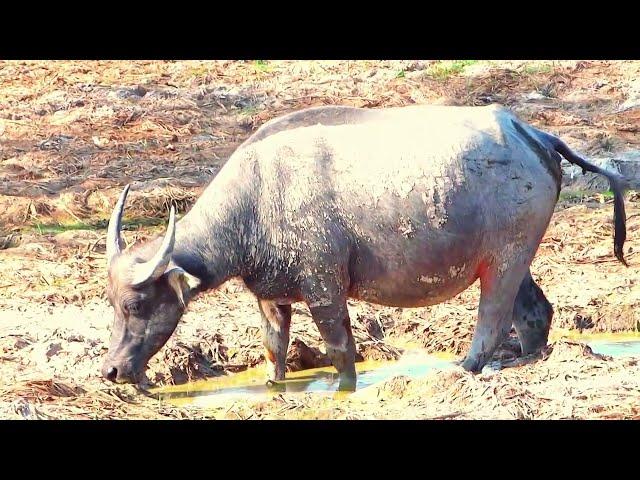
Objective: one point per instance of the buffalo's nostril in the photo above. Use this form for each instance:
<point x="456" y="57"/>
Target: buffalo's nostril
<point x="112" y="373"/>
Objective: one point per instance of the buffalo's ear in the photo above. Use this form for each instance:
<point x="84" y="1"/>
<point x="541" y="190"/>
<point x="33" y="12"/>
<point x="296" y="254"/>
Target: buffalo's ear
<point x="181" y="282"/>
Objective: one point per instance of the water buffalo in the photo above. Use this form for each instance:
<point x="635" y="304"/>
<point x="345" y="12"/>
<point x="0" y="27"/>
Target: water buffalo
<point x="404" y="207"/>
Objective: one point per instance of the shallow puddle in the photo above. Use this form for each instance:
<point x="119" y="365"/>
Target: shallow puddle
<point x="252" y="381"/>
<point x="611" y="344"/>
<point x="628" y="348"/>
<point x="413" y="364"/>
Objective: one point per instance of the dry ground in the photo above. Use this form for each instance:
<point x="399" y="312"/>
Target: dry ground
<point x="73" y="133"/>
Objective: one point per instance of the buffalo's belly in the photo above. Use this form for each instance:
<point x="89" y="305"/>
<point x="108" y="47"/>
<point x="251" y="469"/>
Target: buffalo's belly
<point x="406" y="292"/>
<point x="414" y="273"/>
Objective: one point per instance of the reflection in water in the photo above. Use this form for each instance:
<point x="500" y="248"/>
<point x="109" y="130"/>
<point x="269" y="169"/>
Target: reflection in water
<point x="413" y="364"/>
<point x="586" y="336"/>
<point x="605" y="343"/>
<point x="252" y="381"/>
<point x="629" y="348"/>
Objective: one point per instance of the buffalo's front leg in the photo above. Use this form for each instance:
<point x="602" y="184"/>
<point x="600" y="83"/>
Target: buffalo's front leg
<point x="276" y="320"/>
<point x="335" y="328"/>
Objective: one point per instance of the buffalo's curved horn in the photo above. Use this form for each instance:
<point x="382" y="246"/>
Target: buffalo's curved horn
<point x="154" y="268"/>
<point x="115" y="243"/>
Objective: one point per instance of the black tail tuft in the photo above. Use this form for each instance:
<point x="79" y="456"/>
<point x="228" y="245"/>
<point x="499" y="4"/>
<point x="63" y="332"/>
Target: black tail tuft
<point x="620" y="221"/>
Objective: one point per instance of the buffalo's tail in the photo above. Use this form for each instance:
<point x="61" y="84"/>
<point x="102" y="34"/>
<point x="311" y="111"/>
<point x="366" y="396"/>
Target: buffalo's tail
<point x="618" y="187"/>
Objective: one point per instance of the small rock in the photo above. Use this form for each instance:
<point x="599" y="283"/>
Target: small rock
<point x="75" y="338"/>
<point x="23" y="408"/>
<point x="205" y="137"/>
<point x="140" y="91"/>
<point x="20" y="343"/>
<point x="53" y="349"/>
<point x="100" y="142"/>
<point x="416" y="65"/>
<point x="124" y="93"/>
<point x="373" y="327"/>
<point x="600" y="83"/>
<point x="302" y="357"/>
<point x="85" y="87"/>
<point x="534" y="96"/>
<point x="630" y="104"/>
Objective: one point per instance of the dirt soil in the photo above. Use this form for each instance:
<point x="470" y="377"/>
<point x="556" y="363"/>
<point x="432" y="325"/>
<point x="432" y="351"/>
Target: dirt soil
<point x="72" y="134"/>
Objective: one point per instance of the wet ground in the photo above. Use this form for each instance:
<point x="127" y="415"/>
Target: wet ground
<point x="619" y="348"/>
<point x="414" y="364"/>
<point x="73" y="133"/>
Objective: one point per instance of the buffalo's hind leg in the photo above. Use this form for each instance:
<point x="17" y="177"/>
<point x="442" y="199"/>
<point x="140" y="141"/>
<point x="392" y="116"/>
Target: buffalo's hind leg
<point x="495" y="313"/>
<point x="532" y="315"/>
<point x="276" y="320"/>
<point x="335" y="328"/>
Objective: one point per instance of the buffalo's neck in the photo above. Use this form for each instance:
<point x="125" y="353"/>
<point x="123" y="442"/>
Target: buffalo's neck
<point x="212" y="239"/>
<point x="208" y="249"/>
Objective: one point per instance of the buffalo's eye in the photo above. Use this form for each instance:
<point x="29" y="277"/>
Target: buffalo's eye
<point x="133" y="307"/>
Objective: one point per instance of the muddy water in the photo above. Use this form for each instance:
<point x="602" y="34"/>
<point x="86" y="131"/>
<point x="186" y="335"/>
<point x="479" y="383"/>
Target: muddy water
<point x="413" y="364"/>
<point x="321" y="380"/>
<point x="617" y="348"/>
<point x="611" y="344"/>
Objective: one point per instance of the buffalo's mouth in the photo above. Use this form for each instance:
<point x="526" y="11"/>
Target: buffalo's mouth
<point x="123" y="372"/>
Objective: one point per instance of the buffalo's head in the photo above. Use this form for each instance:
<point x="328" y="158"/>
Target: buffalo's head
<point x="148" y="294"/>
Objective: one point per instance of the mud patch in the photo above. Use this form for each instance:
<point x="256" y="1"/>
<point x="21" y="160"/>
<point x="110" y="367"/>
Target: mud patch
<point x="69" y="146"/>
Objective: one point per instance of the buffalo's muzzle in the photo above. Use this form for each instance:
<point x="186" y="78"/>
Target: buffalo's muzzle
<point x="111" y="374"/>
<point x="118" y="374"/>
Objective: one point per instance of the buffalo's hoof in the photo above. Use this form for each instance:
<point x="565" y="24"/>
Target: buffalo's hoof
<point x="347" y="384"/>
<point x="275" y="386"/>
<point x="490" y="369"/>
<point x="533" y="348"/>
<point x="473" y="364"/>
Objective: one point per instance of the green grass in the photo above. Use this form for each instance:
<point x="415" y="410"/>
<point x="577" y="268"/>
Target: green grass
<point x="56" y="228"/>
<point x="400" y="74"/>
<point x="580" y="195"/>
<point x="262" y="66"/>
<point x="248" y="111"/>
<point x="535" y="68"/>
<point x="447" y="68"/>
<point x="195" y="71"/>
